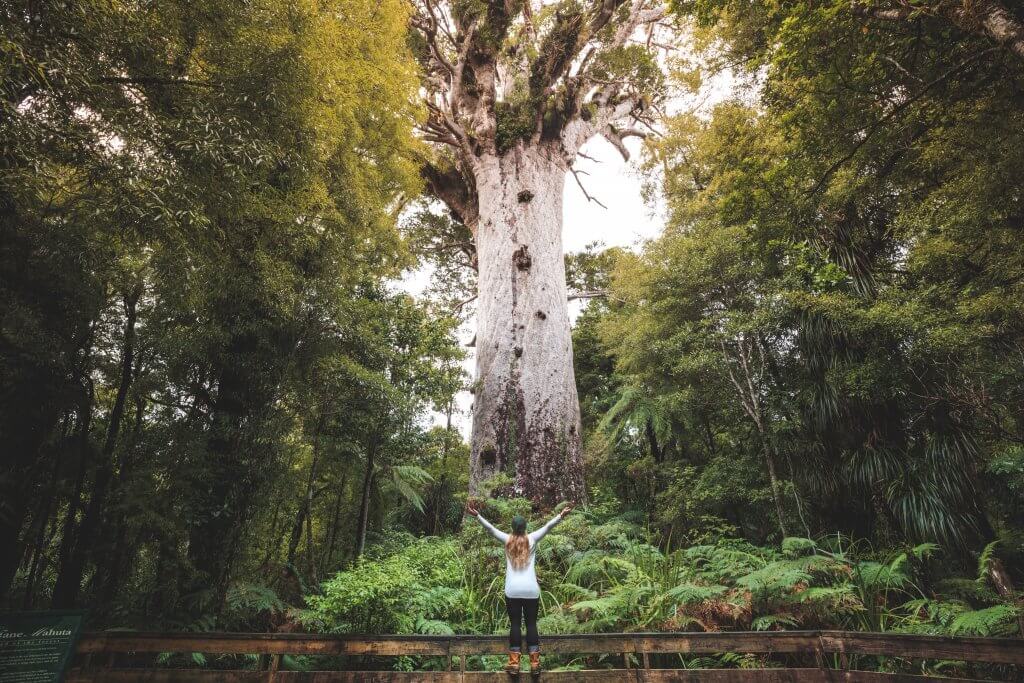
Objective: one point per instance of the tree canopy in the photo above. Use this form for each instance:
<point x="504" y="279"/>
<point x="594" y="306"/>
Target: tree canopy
<point x="800" y="406"/>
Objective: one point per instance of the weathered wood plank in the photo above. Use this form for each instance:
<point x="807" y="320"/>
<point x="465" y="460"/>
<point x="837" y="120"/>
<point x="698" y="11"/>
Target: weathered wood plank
<point x="733" y="676"/>
<point x="316" y="644"/>
<point x="878" y="677"/>
<point x="782" y="641"/>
<point x="589" y="676"/>
<point x="993" y="650"/>
<point x="596" y="644"/>
<point x="262" y="643"/>
<point x="373" y="677"/>
<point x="166" y="676"/>
<point x="784" y="676"/>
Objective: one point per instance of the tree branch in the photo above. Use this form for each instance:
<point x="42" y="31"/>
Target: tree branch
<point x="451" y="187"/>
<point x="892" y="113"/>
<point x="576" y="175"/>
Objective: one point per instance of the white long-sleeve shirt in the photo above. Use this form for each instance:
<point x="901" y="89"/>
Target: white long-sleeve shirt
<point x="521" y="583"/>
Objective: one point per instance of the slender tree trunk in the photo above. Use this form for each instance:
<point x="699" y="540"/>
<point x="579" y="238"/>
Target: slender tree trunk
<point x="526" y="418"/>
<point x="652" y="440"/>
<point x="746" y="385"/>
<point x="709" y="436"/>
<point x="69" y="581"/>
<point x="310" y="557"/>
<point x="1004" y="587"/>
<point x="773" y="478"/>
<point x="306" y="506"/>
<point x="443" y="480"/>
<point x="69" y="530"/>
<point x="40" y="543"/>
<point x="295" y="537"/>
<point x="333" y="533"/>
<point x="118" y="565"/>
<point x="225" y="494"/>
<point x="364" y="500"/>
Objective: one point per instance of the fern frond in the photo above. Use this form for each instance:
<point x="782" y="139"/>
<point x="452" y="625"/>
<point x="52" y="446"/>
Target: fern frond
<point x="1000" y="620"/>
<point x="988" y="555"/>
<point x="768" y="621"/>
<point x="434" y="627"/>
<point x="794" y="546"/>
<point x="409" y="480"/>
<point x="691" y="593"/>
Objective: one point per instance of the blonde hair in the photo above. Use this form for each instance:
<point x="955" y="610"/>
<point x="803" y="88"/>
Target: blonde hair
<point x="517" y="548"/>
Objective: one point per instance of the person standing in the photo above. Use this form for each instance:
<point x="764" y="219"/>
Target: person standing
<point x="522" y="592"/>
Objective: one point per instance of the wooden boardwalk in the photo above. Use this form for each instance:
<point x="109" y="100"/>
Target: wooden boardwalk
<point x="809" y="656"/>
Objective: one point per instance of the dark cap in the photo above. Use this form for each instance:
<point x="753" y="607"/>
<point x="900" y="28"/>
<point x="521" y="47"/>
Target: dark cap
<point x="519" y="524"/>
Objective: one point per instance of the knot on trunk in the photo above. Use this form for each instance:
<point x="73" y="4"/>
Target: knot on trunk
<point x="524" y="197"/>
<point x="518" y="351"/>
<point x="521" y="257"/>
<point x="541" y="315"/>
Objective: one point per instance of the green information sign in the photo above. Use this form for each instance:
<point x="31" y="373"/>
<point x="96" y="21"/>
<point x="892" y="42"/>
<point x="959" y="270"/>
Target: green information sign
<point x="37" y="647"/>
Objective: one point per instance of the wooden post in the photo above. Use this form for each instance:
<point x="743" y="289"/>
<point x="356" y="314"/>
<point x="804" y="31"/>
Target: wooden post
<point x="275" y="664"/>
<point x="819" y="654"/>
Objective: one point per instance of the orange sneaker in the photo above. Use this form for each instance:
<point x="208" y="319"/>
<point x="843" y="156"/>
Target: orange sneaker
<point x="534" y="662"/>
<point x="513" y="662"/>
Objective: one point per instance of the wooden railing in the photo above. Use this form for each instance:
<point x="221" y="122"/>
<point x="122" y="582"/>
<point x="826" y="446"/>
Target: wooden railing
<point x="641" y="657"/>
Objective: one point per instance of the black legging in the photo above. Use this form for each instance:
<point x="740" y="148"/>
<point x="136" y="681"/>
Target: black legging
<point x="517" y="608"/>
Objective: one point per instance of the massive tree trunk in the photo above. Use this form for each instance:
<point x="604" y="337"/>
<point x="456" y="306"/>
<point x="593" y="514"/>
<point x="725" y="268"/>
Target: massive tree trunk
<point x="510" y="103"/>
<point x="526" y="418"/>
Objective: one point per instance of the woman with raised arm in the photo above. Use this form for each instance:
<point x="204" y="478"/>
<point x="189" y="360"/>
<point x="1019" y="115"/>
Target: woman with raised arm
<point x="522" y="592"/>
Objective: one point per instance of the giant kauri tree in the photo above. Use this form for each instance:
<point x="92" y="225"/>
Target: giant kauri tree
<point x="513" y="91"/>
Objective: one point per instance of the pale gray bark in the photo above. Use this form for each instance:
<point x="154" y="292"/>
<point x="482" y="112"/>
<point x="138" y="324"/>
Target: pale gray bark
<point x="997" y="22"/>
<point x="526" y="419"/>
<point x="526" y="415"/>
<point x="988" y="17"/>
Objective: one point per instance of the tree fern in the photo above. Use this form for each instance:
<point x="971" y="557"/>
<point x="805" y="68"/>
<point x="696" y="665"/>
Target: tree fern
<point x="409" y="480"/>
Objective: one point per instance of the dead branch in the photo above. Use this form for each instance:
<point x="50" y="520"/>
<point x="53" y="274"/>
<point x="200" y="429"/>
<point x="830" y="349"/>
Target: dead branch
<point x="576" y="175"/>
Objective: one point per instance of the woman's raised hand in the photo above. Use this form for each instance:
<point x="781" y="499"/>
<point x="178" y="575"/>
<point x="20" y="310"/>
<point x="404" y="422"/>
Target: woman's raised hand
<point x="566" y="510"/>
<point x="471" y="509"/>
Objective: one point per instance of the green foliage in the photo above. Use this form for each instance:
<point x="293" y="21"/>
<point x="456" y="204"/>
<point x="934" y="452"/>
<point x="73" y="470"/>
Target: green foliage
<point x="515" y="120"/>
<point x="601" y="572"/>
<point x="197" y="244"/>
<point x="999" y="620"/>
<point x="828" y="343"/>
<point x="375" y="596"/>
